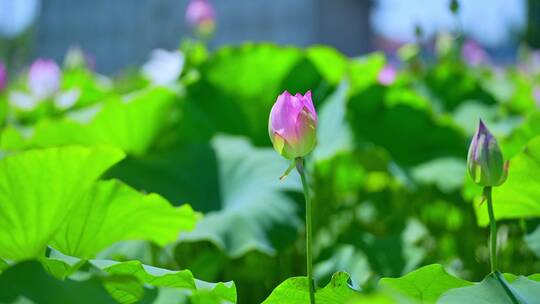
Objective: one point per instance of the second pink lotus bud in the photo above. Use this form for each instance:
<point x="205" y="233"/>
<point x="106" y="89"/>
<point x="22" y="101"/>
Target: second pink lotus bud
<point x="200" y="16"/>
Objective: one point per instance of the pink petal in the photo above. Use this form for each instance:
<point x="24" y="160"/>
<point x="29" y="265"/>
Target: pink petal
<point x="284" y="114"/>
<point x="308" y="103"/>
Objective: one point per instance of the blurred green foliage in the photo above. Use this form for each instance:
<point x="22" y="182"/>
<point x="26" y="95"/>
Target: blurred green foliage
<point x="388" y="179"/>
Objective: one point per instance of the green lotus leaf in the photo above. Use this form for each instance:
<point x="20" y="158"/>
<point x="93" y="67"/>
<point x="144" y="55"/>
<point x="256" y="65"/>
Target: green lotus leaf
<point x="254" y="213"/>
<point x="182" y="280"/>
<point x="28" y="282"/>
<point x="518" y="196"/>
<point x="112" y="212"/>
<point x="38" y="191"/>
<point x="59" y="279"/>
<point x="130" y="123"/>
<point x="295" y="291"/>
<point x="424" y="285"/>
<point x="495" y="289"/>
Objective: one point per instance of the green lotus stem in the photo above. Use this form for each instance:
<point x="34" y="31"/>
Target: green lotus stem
<point x="493" y="230"/>
<point x="309" y="250"/>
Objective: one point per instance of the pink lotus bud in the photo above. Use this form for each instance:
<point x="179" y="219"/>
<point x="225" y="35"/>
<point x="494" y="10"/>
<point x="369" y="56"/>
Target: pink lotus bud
<point x="387" y="75"/>
<point x="200" y="15"/>
<point x="485" y="160"/>
<point x="44" y="78"/>
<point x="3" y="76"/>
<point x="293" y="125"/>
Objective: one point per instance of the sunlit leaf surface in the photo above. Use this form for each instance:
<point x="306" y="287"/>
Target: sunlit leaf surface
<point x="39" y="189"/>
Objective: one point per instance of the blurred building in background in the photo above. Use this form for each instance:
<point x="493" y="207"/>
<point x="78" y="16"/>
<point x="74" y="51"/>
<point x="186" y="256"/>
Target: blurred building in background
<point x="121" y="33"/>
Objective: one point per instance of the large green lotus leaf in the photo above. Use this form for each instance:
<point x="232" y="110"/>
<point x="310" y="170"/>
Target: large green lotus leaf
<point x="425" y="285"/>
<point x="158" y="277"/>
<point x="28" y="282"/>
<point x="402" y="122"/>
<point x="521" y="99"/>
<point x="295" y="291"/>
<point x="320" y="71"/>
<point x="494" y="289"/>
<point x="533" y="241"/>
<point x="452" y="83"/>
<point x="3" y="265"/>
<point x="131" y="124"/>
<point x="39" y="189"/>
<point x="180" y="173"/>
<point x="529" y="129"/>
<point x="519" y="196"/>
<point x="128" y="281"/>
<point x="171" y="286"/>
<point x="143" y="251"/>
<point x="250" y="69"/>
<point x="113" y="212"/>
<point x="201" y="296"/>
<point x="236" y="185"/>
<point x="303" y="77"/>
<point x="534" y="277"/>
<point x="56" y="280"/>
<point x="331" y="64"/>
<point x="365" y="70"/>
<point x="510" y="277"/>
<point x="254" y="213"/>
<point x="446" y="173"/>
<point x="238" y="86"/>
<point x="333" y="133"/>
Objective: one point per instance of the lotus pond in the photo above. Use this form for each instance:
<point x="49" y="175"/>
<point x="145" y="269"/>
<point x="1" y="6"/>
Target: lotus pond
<point x="162" y="185"/>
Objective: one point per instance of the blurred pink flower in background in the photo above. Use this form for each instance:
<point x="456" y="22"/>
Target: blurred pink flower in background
<point x="473" y="54"/>
<point x="536" y="95"/>
<point x="3" y="76"/>
<point x="387" y="75"/>
<point x="200" y="15"/>
<point x="44" y="78"/>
